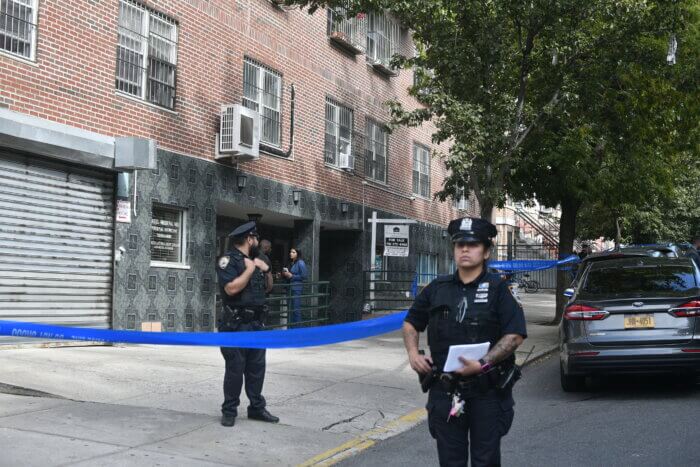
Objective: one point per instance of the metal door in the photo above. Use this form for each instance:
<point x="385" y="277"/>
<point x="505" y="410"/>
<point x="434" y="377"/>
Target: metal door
<point x="56" y="242"/>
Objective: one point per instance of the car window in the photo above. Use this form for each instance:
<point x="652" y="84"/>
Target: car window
<point x="640" y="279"/>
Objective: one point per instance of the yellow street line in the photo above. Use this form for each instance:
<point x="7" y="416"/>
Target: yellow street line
<point x="365" y="440"/>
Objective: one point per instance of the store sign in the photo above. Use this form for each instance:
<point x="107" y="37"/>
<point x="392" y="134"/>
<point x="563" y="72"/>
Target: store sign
<point x="123" y="211"/>
<point x="396" y="240"/>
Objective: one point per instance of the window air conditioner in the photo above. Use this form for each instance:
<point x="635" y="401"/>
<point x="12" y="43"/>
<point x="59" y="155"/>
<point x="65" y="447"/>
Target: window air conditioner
<point x="239" y="134"/>
<point x="346" y="160"/>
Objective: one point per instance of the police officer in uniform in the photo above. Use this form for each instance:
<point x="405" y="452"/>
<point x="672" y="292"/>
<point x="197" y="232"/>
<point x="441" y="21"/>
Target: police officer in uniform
<point x="242" y="280"/>
<point x="469" y="410"/>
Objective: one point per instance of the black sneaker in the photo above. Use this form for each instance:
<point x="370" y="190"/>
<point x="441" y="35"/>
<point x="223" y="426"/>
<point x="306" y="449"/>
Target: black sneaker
<point x="263" y="416"/>
<point x="228" y="420"/>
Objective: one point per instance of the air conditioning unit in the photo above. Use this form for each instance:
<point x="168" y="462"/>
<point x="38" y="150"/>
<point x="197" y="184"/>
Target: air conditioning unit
<point x="239" y="133"/>
<point x="346" y="160"/>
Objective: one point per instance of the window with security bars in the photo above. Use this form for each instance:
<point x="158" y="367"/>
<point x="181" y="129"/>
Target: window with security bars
<point x="168" y="242"/>
<point x="383" y="33"/>
<point x="348" y="31"/>
<point x="427" y="269"/>
<point x="18" y="27"/>
<point x="376" y="152"/>
<point x="262" y="92"/>
<point x="338" y="139"/>
<point x="146" y="54"/>
<point x="421" y="171"/>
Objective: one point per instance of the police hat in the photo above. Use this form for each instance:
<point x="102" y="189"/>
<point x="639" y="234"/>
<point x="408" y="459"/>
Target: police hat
<point x="471" y="229"/>
<point x="249" y="228"/>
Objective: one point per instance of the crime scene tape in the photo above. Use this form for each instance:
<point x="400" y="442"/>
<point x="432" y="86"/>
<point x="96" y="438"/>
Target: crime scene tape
<point x="278" y="339"/>
<point x="532" y="265"/>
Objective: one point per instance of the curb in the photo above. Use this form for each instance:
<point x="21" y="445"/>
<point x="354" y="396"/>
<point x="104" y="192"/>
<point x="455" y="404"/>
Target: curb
<point x="367" y="440"/>
<point x="370" y="438"/>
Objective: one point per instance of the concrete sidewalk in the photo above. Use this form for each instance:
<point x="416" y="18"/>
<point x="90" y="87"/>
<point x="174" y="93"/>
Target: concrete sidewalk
<point x="150" y="405"/>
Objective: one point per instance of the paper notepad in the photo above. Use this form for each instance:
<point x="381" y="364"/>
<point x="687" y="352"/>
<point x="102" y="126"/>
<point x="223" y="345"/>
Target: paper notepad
<point x="470" y="352"/>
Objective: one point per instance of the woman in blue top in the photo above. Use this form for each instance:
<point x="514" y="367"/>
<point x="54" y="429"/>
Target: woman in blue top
<point x="296" y="275"/>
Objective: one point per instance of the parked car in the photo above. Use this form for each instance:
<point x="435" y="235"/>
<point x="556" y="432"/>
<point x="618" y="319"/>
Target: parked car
<point x="632" y="314"/>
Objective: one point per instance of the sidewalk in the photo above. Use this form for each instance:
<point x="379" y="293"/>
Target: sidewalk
<point x="149" y="405"/>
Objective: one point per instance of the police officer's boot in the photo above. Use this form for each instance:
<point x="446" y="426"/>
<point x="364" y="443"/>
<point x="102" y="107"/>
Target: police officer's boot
<point x="263" y="416"/>
<point x="228" y="420"/>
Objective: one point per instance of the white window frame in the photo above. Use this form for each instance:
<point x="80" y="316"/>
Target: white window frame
<point x="427" y="268"/>
<point x="383" y="34"/>
<point x="258" y="103"/>
<point x="182" y="240"/>
<point x="34" y="5"/>
<point x="461" y="201"/>
<point x="146" y="15"/>
<point x="421" y="170"/>
<point x="334" y="109"/>
<point x="377" y="137"/>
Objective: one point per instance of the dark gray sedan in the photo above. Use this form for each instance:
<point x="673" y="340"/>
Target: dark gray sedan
<point x="632" y="315"/>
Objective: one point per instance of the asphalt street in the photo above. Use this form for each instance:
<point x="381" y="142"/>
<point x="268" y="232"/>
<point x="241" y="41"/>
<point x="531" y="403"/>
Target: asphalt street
<point x="623" y="422"/>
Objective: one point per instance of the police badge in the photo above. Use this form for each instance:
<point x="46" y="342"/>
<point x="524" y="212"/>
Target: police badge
<point x="223" y="262"/>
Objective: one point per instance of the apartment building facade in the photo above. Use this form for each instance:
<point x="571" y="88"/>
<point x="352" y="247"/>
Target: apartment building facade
<point x="113" y="203"/>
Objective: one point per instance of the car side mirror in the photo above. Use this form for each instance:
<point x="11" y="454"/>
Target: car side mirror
<point x="569" y="293"/>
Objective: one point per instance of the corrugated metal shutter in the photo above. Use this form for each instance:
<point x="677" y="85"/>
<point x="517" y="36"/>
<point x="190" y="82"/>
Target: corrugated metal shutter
<point x="56" y="242"/>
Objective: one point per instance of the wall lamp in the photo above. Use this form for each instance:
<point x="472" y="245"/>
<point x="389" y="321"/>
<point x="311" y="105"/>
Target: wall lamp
<point x="242" y="181"/>
<point x="296" y="196"/>
<point x="344" y="208"/>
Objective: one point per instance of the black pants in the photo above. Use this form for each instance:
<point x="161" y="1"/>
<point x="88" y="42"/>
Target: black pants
<point x="240" y="364"/>
<point x="486" y="419"/>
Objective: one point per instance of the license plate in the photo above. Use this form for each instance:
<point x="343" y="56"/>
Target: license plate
<point x="639" y="322"/>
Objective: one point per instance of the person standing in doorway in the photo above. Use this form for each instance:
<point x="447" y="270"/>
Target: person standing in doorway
<point x="264" y="255"/>
<point x="296" y="274"/>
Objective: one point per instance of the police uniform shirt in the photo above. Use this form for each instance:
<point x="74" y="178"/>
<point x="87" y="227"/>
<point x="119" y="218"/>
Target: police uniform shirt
<point x="232" y="265"/>
<point x="465" y="298"/>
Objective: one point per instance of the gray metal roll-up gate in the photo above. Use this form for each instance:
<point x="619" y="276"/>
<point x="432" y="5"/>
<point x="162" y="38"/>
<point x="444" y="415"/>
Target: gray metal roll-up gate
<point x="56" y="242"/>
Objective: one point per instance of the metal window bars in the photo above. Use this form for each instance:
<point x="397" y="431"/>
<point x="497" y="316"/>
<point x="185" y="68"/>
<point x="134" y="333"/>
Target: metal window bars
<point x="146" y="53"/>
<point x="383" y="34"/>
<point x="338" y="134"/>
<point x="375" y="158"/>
<point x="349" y="33"/>
<point x="262" y="92"/>
<point x="18" y="27"/>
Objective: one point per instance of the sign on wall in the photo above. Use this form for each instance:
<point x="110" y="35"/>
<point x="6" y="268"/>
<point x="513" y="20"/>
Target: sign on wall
<point x="123" y="211"/>
<point x="396" y="240"/>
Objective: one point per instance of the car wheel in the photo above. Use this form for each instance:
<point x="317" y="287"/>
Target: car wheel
<point x="571" y="383"/>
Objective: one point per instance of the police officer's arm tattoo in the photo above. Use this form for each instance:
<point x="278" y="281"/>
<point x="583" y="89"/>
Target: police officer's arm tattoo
<point x="504" y="348"/>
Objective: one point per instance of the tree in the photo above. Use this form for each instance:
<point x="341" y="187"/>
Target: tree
<point x="628" y="123"/>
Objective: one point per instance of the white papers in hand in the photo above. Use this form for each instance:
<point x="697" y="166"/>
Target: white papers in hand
<point x="470" y="352"/>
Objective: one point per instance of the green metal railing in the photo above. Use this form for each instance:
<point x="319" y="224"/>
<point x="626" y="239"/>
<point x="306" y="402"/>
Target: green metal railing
<point x="312" y="299"/>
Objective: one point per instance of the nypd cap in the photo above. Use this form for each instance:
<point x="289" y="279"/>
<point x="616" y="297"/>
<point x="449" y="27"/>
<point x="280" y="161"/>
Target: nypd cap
<point x="249" y="228"/>
<point x="471" y="229"/>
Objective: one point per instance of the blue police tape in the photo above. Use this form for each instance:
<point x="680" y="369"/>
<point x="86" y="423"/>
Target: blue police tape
<point x="301" y="337"/>
<point x="532" y="265"/>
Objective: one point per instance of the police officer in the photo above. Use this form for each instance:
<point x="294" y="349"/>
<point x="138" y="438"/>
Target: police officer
<point x="471" y="409"/>
<point x="242" y="281"/>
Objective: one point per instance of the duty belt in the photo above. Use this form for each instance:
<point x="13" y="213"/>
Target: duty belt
<point x="501" y="377"/>
<point x="243" y="315"/>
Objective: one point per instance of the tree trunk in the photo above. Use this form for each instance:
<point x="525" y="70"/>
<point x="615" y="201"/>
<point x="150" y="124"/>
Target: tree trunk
<point x="486" y="209"/>
<point x="567" y="234"/>
<point x="618" y="233"/>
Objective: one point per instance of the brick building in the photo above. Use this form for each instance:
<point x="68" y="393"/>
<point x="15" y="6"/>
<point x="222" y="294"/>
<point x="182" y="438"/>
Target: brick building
<point x="87" y="87"/>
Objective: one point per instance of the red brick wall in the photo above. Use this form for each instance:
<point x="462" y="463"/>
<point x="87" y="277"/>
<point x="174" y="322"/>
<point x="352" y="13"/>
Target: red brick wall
<point x="72" y="82"/>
